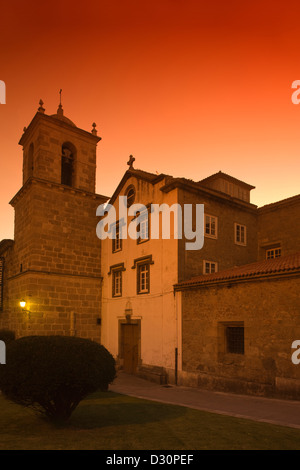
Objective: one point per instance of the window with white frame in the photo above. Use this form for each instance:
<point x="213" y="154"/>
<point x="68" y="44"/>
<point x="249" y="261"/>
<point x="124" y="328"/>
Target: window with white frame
<point x="240" y="234"/>
<point x="142" y="266"/>
<point x="116" y="271"/>
<point x="117" y="283"/>
<point x="117" y="240"/>
<point x="273" y="253"/>
<point x="210" y="267"/>
<point x="143" y="278"/>
<point x="211" y="226"/>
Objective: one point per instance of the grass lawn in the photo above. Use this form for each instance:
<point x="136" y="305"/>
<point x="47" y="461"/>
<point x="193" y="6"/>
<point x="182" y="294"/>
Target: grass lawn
<point x="111" y="421"/>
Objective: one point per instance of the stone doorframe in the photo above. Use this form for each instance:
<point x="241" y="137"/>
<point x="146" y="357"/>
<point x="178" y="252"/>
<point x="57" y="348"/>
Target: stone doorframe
<point x="128" y="321"/>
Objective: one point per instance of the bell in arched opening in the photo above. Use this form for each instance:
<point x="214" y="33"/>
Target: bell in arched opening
<point x="67" y="164"/>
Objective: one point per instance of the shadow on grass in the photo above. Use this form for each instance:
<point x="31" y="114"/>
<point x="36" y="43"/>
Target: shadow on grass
<point x="102" y="396"/>
<point x="111" y="409"/>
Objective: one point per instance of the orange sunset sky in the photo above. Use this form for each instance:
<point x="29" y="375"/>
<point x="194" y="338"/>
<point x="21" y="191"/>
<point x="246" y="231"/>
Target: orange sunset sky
<point x="188" y="87"/>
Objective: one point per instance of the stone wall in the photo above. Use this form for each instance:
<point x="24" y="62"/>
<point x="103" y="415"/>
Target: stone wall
<point x="270" y="312"/>
<point x="223" y="249"/>
<point x="279" y="224"/>
<point x="47" y="134"/>
<point x="54" y="263"/>
<point x="56" y="305"/>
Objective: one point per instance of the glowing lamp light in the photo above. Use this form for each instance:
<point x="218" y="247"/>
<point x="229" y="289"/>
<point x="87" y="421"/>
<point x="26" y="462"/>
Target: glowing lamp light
<point x="23" y="304"/>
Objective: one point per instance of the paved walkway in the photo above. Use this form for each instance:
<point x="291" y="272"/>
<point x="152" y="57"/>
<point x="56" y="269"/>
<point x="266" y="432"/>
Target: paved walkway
<point x="268" y="410"/>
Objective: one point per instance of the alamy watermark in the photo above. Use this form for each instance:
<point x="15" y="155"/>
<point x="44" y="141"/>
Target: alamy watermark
<point x="296" y="354"/>
<point x="2" y="92"/>
<point x="2" y="352"/>
<point x="184" y="222"/>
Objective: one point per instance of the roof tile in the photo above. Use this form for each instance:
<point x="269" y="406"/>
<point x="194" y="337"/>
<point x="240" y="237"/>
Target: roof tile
<point x="271" y="266"/>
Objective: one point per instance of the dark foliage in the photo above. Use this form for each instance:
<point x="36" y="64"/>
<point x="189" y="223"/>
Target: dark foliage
<point x="7" y="336"/>
<point x="52" y="374"/>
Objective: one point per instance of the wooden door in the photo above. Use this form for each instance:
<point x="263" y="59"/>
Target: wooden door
<point x="130" y="343"/>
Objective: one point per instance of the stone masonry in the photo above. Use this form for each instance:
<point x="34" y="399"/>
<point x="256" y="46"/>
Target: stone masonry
<point x="54" y="261"/>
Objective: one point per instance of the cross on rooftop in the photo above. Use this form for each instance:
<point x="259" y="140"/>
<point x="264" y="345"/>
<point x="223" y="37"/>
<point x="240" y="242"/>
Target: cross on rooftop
<point x="130" y="161"/>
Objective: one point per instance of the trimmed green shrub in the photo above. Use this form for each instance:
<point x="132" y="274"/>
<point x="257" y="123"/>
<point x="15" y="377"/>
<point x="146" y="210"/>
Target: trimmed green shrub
<point x="7" y="336"/>
<point x="52" y="374"/>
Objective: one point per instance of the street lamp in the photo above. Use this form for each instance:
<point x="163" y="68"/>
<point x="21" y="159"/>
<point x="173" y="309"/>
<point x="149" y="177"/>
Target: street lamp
<point x="23" y="304"/>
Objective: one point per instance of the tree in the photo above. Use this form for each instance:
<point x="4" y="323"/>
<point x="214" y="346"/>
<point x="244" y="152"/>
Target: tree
<point x="52" y="374"/>
<point x="7" y="336"/>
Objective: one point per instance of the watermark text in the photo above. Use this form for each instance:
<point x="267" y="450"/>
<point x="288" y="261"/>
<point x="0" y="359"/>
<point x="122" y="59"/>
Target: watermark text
<point x="2" y="92"/>
<point x="187" y="219"/>
<point x="296" y="354"/>
<point x="2" y="352"/>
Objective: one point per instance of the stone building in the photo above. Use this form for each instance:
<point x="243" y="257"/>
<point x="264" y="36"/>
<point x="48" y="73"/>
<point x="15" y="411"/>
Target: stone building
<point x="148" y="329"/>
<point x="279" y="228"/>
<point x="139" y="323"/>
<point x="237" y="328"/>
<point x="53" y="263"/>
<point x="164" y="311"/>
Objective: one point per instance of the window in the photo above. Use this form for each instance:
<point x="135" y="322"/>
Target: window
<point x="235" y="339"/>
<point x="143" y="273"/>
<point x="210" y="267"/>
<point x="211" y="226"/>
<point x="117" y="240"/>
<point x="242" y="194"/>
<point x="273" y="253"/>
<point x="116" y="270"/>
<point x="130" y="193"/>
<point x="117" y="283"/>
<point x="231" y="340"/>
<point x="1" y="282"/>
<point x="67" y="164"/>
<point x="143" y="227"/>
<point x="240" y="234"/>
<point x="143" y="278"/>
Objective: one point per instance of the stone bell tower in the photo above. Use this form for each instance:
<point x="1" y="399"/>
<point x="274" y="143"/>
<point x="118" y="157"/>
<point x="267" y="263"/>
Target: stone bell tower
<point x="55" y="264"/>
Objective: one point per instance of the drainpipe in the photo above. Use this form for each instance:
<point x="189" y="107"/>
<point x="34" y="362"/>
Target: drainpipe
<point x="176" y="365"/>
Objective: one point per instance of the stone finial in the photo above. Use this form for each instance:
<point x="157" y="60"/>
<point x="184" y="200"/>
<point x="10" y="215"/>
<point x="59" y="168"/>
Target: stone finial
<point x="41" y="109"/>
<point x="60" y="111"/>
<point x="130" y="162"/>
<point x="24" y="129"/>
<point x="94" y="130"/>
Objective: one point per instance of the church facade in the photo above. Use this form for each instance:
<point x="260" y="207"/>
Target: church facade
<point x="163" y="311"/>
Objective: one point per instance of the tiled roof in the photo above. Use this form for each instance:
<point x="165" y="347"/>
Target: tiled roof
<point x="283" y="202"/>
<point x="220" y="174"/>
<point x="145" y="174"/>
<point x="284" y="264"/>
